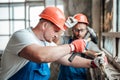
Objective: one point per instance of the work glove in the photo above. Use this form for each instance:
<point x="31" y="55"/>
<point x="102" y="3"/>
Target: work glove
<point x="79" y="45"/>
<point x="70" y="22"/>
<point x="99" y="62"/>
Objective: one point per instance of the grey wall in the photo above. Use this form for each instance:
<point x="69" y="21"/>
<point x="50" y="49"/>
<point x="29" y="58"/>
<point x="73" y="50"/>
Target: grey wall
<point x="78" y="6"/>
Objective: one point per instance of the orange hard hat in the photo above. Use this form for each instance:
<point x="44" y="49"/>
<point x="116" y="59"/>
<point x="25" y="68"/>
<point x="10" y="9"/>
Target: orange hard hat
<point x="55" y="15"/>
<point x="81" y="18"/>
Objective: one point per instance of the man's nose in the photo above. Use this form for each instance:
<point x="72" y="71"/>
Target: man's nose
<point x="56" y="36"/>
<point x="80" y="32"/>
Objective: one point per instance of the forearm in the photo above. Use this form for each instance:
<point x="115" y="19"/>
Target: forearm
<point x="55" y="53"/>
<point x="91" y="54"/>
<point x="39" y="54"/>
<point x="81" y="62"/>
<point x="77" y="61"/>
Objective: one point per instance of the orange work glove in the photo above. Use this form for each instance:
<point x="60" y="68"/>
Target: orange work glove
<point x="79" y="45"/>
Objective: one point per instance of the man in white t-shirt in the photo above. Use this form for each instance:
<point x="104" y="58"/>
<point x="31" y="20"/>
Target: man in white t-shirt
<point x="29" y="51"/>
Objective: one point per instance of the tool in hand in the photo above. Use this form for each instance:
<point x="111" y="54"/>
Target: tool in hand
<point x="90" y="46"/>
<point x="72" y="56"/>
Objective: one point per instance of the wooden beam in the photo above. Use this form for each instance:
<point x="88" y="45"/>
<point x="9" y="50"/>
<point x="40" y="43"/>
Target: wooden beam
<point x="111" y="34"/>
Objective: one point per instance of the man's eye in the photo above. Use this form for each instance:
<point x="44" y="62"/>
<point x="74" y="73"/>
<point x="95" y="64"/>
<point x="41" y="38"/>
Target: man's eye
<point x="78" y="30"/>
<point x="56" y="31"/>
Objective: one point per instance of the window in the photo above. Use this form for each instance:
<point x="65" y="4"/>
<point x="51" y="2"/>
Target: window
<point x="16" y="15"/>
<point x="111" y="29"/>
<point x="20" y="14"/>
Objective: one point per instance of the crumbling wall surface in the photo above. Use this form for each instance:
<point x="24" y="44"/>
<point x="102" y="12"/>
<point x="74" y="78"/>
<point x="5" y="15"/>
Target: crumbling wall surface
<point x="78" y="6"/>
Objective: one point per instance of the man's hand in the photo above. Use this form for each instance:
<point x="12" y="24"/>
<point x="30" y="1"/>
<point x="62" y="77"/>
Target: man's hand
<point x="79" y="45"/>
<point x="99" y="62"/>
<point x="70" y="22"/>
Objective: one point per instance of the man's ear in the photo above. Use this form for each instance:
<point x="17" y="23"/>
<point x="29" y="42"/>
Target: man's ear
<point x="45" y="25"/>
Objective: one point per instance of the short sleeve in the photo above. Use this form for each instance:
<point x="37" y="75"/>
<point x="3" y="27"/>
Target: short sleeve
<point x="19" y="40"/>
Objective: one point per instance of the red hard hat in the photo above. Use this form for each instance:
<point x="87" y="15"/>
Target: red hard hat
<point x="55" y="15"/>
<point x="81" y="18"/>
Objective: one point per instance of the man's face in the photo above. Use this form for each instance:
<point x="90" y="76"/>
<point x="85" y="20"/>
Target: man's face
<point x="51" y="33"/>
<point x="79" y="30"/>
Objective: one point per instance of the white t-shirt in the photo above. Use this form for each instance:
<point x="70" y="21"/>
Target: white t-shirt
<point x="10" y="61"/>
